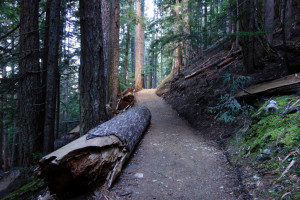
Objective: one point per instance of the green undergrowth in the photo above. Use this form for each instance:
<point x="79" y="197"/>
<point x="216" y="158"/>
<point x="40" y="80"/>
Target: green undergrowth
<point x="274" y="129"/>
<point x="270" y="137"/>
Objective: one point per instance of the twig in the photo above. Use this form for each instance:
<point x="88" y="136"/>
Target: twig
<point x="287" y="170"/>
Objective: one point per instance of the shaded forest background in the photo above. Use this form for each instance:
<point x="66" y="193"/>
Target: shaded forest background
<point x="65" y="62"/>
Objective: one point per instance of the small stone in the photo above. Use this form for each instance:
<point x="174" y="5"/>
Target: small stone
<point x="259" y="156"/>
<point x="139" y="175"/>
<point x="267" y="151"/>
<point x="255" y="177"/>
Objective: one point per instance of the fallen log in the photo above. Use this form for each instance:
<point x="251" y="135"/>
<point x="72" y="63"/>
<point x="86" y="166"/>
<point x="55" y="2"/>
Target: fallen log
<point x="286" y="84"/>
<point x="126" y="100"/>
<point x="95" y="158"/>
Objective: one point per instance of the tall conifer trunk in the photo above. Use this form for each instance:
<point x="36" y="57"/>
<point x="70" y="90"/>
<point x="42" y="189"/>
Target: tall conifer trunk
<point x="92" y="68"/>
<point x="29" y="91"/>
<point x="114" y="53"/>
<point x="52" y="81"/>
<point x="139" y="48"/>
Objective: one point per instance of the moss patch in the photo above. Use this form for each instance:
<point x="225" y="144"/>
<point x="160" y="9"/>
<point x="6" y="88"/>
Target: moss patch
<point x="269" y="129"/>
<point x="271" y="136"/>
<point x="27" y="191"/>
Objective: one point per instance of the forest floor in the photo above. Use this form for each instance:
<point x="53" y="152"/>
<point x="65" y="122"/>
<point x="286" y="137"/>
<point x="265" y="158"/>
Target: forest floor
<point x="173" y="161"/>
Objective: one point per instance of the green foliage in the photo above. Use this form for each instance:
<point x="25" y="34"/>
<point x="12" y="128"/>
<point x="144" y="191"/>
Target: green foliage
<point x="276" y="127"/>
<point x="228" y="107"/>
<point x="278" y="133"/>
<point x="235" y="82"/>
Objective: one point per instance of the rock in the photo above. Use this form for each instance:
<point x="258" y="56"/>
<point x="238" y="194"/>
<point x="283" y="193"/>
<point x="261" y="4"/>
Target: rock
<point x="259" y="156"/>
<point x="267" y="151"/>
<point x="271" y="107"/>
<point x="255" y="177"/>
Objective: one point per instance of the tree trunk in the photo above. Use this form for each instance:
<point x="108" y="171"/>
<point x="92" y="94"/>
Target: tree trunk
<point x="201" y="30"/>
<point x="126" y="54"/>
<point x="237" y="24"/>
<point x="161" y="64"/>
<point x="229" y="17"/>
<point x="288" y="19"/>
<point x="187" y="32"/>
<point x="29" y="91"/>
<point x="92" y="69"/>
<point x="6" y="148"/>
<point x="205" y="34"/>
<point x="176" y="53"/>
<point x="106" y="26"/>
<point x="269" y="20"/>
<point x="52" y="81"/>
<point x="114" y="53"/>
<point x="139" y="48"/>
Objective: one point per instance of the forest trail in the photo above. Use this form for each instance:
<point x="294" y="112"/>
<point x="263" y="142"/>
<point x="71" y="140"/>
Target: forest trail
<point x="173" y="161"/>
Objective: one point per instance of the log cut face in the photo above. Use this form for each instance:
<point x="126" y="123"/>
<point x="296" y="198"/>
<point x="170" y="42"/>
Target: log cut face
<point x="94" y="158"/>
<point x="128" y="127"/>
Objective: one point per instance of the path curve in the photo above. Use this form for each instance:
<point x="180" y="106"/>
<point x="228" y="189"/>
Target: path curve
<point x="173" y="161"/>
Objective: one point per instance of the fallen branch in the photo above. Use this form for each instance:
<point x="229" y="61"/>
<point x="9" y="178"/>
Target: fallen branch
<point x="286" y="170"/>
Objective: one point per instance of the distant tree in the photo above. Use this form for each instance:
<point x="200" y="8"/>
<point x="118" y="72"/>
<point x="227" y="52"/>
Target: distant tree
<point x="126" y="54"/>
<point x="92" y="69"/>
<point x="139" y="47"/>
<point x="187" y="32"/>
<point x="29" y="92"/>
<point x="176" y="53"/>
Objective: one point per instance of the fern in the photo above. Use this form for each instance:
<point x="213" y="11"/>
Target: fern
<point x="228" y="107"/>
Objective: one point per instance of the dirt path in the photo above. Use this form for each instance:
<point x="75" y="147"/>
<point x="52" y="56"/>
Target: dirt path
<point x="173" y="161"/>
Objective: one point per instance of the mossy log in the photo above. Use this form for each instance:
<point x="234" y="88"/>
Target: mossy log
<point x="287" y="84"/>
<point x="96" y="157"/>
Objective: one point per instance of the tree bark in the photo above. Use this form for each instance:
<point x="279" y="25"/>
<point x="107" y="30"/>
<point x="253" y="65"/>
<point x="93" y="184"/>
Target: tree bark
<point x="229" y="17"/>
<point x="176" y="53"/>
<point x="187" y="32"/>
<point x="288" y="19"/>
<point x="114" y="53"/>
<point x="4" y="160"/>
<point x="29" y="91"/>
<point x="126" y="53"/>
<point x="269" y="20"/>
<point x="52" y="81"/>
<point x="92" y="69"/>
<point x="139" y="48"/>
<point x="106" y="26"/>
<point x="205" y="34"/>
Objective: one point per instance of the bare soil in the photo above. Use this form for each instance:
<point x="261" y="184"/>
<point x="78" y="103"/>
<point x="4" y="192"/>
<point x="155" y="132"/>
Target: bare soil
<point x="173" y="161"/>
